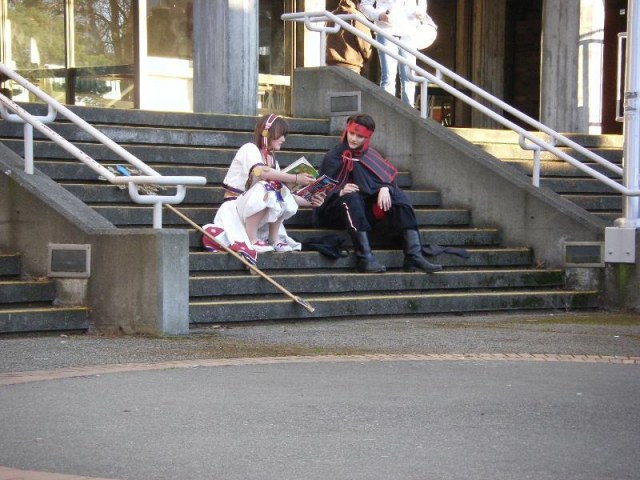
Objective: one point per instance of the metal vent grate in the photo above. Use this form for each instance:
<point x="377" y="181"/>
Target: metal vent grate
<point x="584" y="254"/>
<point x="344" y="103"/>
<point x="69" y="260"/>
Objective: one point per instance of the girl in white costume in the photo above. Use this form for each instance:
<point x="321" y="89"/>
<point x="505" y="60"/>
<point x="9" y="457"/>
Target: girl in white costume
<point x="256" y="200"/>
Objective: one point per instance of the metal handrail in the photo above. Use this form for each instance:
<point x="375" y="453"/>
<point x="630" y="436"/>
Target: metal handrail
<point x="316" y="21"/>
<point x="13" y="112"/>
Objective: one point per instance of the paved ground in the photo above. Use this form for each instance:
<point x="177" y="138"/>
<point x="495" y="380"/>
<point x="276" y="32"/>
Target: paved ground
<point x="448" y="397"/>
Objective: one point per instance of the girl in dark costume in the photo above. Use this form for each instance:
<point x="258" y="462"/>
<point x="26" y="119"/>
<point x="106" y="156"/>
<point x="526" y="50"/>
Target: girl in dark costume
<point x="367" y="193"/>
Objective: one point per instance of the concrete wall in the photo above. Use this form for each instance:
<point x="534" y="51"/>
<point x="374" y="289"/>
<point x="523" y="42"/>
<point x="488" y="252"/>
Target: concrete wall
<point x="497" y="194"/>
<point x="139" y="278"/>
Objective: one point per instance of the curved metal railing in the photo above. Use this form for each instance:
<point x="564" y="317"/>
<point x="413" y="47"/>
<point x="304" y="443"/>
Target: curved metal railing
<point x="13" y="112"/>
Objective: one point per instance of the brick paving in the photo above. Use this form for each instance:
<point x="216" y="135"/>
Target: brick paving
<point x="13" y="474"/>
<point x="14" y="378"/>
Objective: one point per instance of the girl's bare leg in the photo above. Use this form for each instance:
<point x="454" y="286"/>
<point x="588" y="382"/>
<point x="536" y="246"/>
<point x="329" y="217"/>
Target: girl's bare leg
<point x="252" y="224"/>
<point x="274" y="230"/>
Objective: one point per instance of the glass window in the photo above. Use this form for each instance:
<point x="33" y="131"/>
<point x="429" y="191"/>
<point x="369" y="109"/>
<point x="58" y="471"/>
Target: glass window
<point x="275" y="54"/>
<point x="102" y="33"/>
<point x="34" y="46"/>
<point x="169" y="62"/>
<point x="101" y="53"/>
<point x="91" y="65"/>
<point x="36" y="33"/>
<point x="170" y="29"/>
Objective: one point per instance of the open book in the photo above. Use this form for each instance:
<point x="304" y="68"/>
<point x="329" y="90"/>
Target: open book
<point x="322" y="184"/>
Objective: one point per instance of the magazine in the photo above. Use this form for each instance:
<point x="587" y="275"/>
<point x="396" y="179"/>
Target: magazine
<point x="322" y="184"/>
<point x="300" y="166"/>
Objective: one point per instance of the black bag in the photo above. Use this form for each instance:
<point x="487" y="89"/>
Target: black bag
<point x="328" y="245"/>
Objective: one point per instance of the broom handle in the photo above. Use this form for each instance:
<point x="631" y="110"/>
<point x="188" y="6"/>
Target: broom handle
<point x="242" y="259"/>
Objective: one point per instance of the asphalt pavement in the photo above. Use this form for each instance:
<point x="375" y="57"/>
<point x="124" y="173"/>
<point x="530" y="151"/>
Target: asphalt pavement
<point x="527" y="396"/>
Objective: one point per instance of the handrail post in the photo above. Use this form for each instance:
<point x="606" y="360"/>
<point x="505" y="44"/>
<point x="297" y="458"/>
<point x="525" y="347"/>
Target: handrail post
<point x="28" y="148"/>
<point x="323" y="48"/>
<point x="535" y="174"/>
<point x="631" y="129"/>
<point x="424" y="98"/>
<point x="536" y="168"/>
<point x="157" y="215"/>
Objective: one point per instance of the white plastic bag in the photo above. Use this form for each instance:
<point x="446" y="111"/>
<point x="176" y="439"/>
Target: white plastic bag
<point x="425" y="34"/>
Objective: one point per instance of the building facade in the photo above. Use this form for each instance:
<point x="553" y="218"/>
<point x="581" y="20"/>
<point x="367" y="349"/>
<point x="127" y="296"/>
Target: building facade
<point x="555" y="60"/>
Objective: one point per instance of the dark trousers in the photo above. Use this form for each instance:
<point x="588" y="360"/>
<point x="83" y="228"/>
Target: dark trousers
<point x="355" y="213"/>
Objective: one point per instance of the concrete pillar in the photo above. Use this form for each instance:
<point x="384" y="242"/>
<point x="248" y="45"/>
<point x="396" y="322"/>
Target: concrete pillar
<point x="489" y="17"/>
<point x="571" y="93"/>
<point x="225" y="59"/>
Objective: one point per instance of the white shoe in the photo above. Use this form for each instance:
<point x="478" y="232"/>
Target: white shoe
<point x="261" y="247"/>
<point x="282" y="247"/>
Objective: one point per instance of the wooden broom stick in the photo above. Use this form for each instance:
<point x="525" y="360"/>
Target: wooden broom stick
<point x="243" y="260"/>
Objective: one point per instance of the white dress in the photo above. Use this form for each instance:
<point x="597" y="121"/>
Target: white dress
<point x="229" y="223"/>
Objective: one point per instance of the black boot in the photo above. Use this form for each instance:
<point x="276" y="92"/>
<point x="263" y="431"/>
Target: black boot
<point x="366" y="261"/>
<point x="413" y="259"/>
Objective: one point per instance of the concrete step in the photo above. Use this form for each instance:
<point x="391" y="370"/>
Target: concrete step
<point x="10" y="264"/>
<point x="127" y="135"/>
<point x="576" y="185"/>
<point x="203" y="262"/>
<point x="43" y="318"/>
<point x="560" y="169"/>
<point x="107" y="116"/>
<point x="179" y="155"/>
<point x="20" y="291"/>
<point x="508" y="136"/>
<point x="608" y="217"/>
<point x="26" y="304"/>
<point x="503" y="150"/>
<point x="563" y="178"/>
<point x="212" y="195"/>
<point x="393" y="281"/>
<point x="596" y="203"/>
<point x="493" y="277"/>
<point x="69" y="172"/>
<point x="127" y="216"/>
<point x="340" y="305"/>
<point x="453" y="237"/>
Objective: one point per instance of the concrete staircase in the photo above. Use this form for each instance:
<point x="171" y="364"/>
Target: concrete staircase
<point x="26" y="304"/>
<point x="557" y="175"/>
<point x="494" y="277"/>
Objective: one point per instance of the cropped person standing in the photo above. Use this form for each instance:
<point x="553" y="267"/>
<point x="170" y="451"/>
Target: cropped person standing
<point x="344" y="49"/>
<point x="399" y="18"/>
